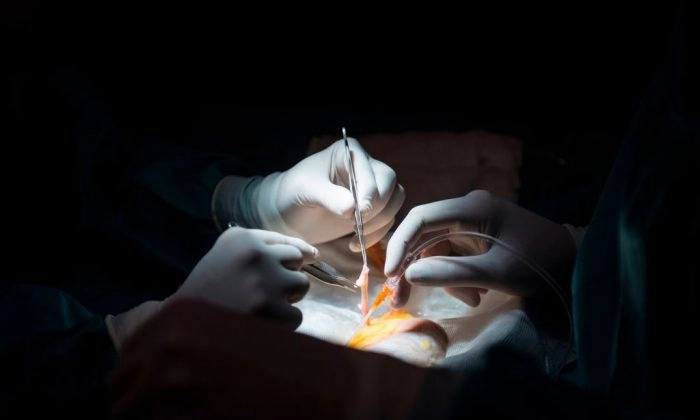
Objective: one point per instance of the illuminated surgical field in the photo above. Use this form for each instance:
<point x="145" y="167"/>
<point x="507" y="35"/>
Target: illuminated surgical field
<point x="432" y="326"/>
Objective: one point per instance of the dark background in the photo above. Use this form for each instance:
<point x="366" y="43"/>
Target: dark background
<point x="261" y="81"/>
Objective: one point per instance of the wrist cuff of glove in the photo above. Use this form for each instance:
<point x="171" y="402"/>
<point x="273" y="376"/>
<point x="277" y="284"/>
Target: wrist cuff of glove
<point x="265" y="198"/>
<point x="232" y="202"/>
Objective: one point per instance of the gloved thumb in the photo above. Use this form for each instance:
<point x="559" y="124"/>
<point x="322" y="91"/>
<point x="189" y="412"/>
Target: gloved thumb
<point x="332" y="197"/>
<point x="472" y="271"/>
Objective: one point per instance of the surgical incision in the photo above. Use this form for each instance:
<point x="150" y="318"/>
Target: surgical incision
<point x="397" y="333"/>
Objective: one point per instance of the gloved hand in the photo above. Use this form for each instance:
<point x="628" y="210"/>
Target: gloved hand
<point x="313" y="200"/>
<point x="248" y="271"/>
<point x="467" y="266"/>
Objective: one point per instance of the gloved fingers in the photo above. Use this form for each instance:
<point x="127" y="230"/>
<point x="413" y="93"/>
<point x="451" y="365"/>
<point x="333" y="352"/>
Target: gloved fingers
<point x="371" y="238"/>
<point x="295" y="287"/>
<point x="474" y="271"/>
<point x="367" y="189"/>
<point x="292" y="283"/>
<point x="282" y="314"/>
<point x="290" y="256"/>
<point x="378" y="227"/>
<point x="385" y="218"/>
<point x="309" y="252"/>
<point x="334" y="198"/>
<point x="386" y="188"/>
<point x="428" y="218"/>
<point x="402" y="293"/>
<point x="469" y="295"/>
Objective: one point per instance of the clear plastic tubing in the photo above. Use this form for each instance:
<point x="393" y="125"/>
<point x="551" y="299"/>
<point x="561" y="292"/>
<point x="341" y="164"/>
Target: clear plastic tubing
<point x="392" y="282"/>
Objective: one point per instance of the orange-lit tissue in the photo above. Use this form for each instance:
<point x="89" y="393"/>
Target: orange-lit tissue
<point x="397" y="333"/>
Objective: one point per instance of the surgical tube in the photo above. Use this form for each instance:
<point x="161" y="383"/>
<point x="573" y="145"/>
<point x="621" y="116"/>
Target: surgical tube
<point x="392" y="283"/>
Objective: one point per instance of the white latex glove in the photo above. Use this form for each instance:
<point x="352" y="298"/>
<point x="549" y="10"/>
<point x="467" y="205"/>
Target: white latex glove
<point x="248" y="271"/>
<point x="467" y="266"/>
<point x="313" y="200"/>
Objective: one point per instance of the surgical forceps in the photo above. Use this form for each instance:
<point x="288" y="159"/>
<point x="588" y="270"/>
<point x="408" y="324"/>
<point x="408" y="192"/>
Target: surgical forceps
<point x="325" y="272"/>
<point x="329" y="275"/>
<point x="359" y="226"/>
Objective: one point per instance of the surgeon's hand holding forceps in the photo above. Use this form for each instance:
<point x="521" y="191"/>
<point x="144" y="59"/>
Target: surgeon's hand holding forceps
<point x="324" y="271"/>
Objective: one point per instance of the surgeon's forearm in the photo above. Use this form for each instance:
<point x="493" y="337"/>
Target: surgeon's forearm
<point x="229" y="202"/>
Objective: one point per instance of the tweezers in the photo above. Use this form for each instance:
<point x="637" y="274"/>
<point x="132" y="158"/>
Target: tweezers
<point x="329" y="275"/>
<point x="359" y="225"/>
